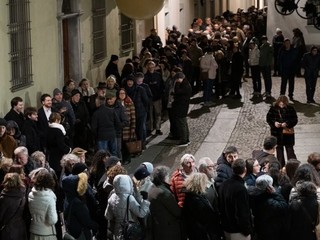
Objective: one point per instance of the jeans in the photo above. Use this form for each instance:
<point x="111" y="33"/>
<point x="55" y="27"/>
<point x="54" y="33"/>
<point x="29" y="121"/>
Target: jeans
<point x="285" y="78"/>
<point x="108" y="145"/>
<point x="207" y="90"/>
<point x="266" y="74"/>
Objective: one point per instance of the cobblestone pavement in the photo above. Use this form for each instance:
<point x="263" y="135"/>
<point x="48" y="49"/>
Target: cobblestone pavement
<point x="248" y="134"/>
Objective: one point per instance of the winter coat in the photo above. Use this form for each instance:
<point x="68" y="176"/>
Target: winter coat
<point x="42" y="206"/>
<point x="209" y="64"/>
<point x="140" y="99"/>
<point x="181" y="98"/>
<point x="104" y="123"/>
<point x="266" y="55"/>
<point x="195" y="53"/>
<point x="56" y="147"/>
<point x="303" y="217"/>
<point x="123" y="118"/>
<point x="224" y="171"/>
<point x="234" y="206"/>
<point x="131" y="115"/>
<point x="236" y="65"/>
<point x="254" y="56"/>
<point x="32" y="136"/>
<point x="12" y="202"/>
<point x="177" y="181"/>
<point x="288" y="115"/>
<point x="156" y="84"/>
<point x="76" y="212"/>
<point x="14" y="116"/>
<point x="117" y="204"/>
<point x="165" y="214"/>
<point x="287" y="61"/>
<point x="200" y="220"/>
<point x="311" y="65"/>
<point x="262" y="156"/>
<point x="250" y="179"/>
<point x="270" y="208"/>
<point x="112" y="69"/>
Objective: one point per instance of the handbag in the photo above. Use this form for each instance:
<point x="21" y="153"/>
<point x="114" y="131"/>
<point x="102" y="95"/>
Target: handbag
<point x="133" y="145"/>
<point x="287" y="131"/>
<point x="131" y="230"/>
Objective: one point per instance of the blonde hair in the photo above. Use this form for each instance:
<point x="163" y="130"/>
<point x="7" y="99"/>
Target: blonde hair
<point x="82" y="184"/>
<point x="196" y="183"/>
<point x="6" y="163"/>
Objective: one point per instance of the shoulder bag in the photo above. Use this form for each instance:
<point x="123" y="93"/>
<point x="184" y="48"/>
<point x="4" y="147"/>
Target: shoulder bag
<point x="286" y="130"/>
<point x="131" y="230"/>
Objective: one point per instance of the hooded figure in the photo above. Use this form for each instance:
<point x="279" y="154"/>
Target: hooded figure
<point x="117" y="204"/>
<point x="76" y="213"/>
<point x="14" y="131"/>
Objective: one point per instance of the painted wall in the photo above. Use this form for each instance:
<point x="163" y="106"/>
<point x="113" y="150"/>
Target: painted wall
<point x="287" y="23"/>
<point x="44" y="55"/>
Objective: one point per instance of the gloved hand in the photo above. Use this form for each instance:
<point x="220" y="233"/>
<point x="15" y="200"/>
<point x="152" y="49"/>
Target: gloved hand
<point x="144" y="195"/>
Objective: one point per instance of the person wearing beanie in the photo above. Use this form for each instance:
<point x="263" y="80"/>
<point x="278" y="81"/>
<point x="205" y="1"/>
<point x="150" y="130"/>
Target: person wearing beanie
<point x="76" y="213"/>
<point x="7" y="143"/>
<point x="141" y="102"/>
<point x="112" y="69"/>
<point x="82" y="119"/>
<point x="117" y="204"/>
<point x="268" y="205"/>
<point x="180" y="105"/>
<point x="142" y="175"/>
<point x="209" y="68"/>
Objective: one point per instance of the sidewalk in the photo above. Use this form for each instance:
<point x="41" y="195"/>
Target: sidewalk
<point x="234" y="122"/>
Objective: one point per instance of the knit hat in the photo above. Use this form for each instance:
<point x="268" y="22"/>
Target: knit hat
<point x="264" y="181"/>
<point x="101" y="85"/>
<point x="56" y="91"/>
<point x="74" y="92"/>
<point x="3" y="122"/>
<point x="179" y="75"/>
<point x="143" y="171"/>
<point x="111" y="161"/>
<point x="114" y="58"/>
<point x="79" y="168"/>
<point x="130" y="77"/>
<point x="111" y="94"/>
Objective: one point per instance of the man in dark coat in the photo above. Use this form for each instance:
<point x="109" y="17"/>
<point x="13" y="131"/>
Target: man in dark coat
<point x="234" y="204"/>
<point x="104" y="124"/>
<point x="268" y="151"/>
<point x="16" y="112"/>
<point x="31" y="130"/>
<point x="224" y="170"/>
<point x="181" y="99"/>
<point x="311" y="64"/>
<point x="43" y="117"/>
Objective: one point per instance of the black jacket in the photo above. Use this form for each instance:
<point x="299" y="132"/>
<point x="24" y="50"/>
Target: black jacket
<point x="234" y="206"/>
<point x="156" y="84"/>
<point x="32" y="136"/>
<point x="104" y="123"/>
<point x="182" y="94"/>
<point x="224" y="171"/>
<point x="269" y="208"/>
<point x="14" y="116"/>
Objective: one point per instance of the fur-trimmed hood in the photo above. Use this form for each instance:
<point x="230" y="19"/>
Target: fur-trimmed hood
<point x="75" y="185"/>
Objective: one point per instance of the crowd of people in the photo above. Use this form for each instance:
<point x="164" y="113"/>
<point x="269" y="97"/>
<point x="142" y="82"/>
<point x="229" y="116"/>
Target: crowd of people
<point x="52" y="190"/>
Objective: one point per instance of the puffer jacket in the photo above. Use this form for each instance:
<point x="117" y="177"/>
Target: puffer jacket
<point x="117" y="204"/>
<point x="209" y="64"/>
<point x="42" y="206"/>
<point x="177" y="181"/>
<point x="224" y="171"/>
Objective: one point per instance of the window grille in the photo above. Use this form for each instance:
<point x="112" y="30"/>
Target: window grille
<point x="20" y="44"/>
<point x="126" y="34"/>
<point x="317" y="4"/>
<point x="99" y="30"/>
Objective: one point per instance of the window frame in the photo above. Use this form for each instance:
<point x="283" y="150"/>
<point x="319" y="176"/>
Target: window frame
<point x="126" y="34"/>
<point x="99" y="32"/>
